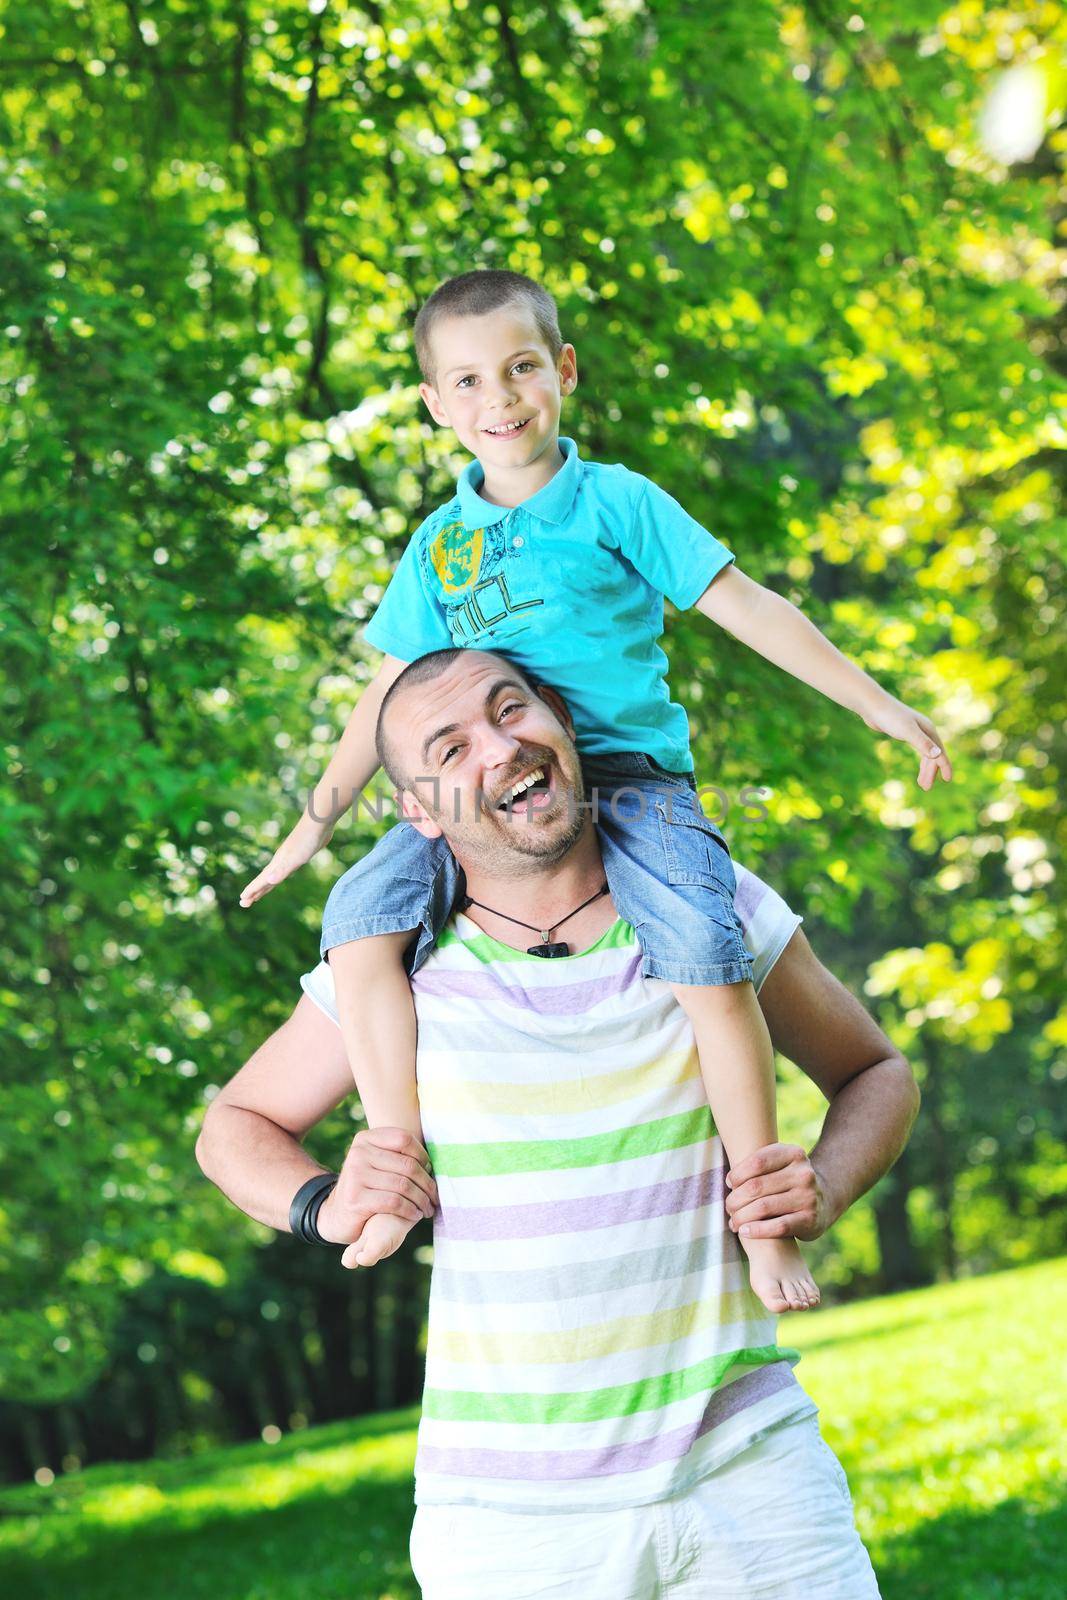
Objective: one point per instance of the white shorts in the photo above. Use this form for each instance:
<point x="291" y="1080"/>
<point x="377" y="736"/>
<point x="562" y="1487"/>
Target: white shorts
<point x="773" y="1523"/>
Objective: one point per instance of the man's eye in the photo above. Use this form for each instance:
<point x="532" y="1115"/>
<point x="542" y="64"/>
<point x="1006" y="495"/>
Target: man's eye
<point x="512" y="705"/>
<point x="449" y="753"/>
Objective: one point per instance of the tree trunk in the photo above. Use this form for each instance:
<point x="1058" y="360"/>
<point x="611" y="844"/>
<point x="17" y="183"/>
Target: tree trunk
<point x="944" y="1162"/>
<point x="901" y="1265"/>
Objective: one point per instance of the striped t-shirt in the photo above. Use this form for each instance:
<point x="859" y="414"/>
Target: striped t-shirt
<point x="592" y="1340"/>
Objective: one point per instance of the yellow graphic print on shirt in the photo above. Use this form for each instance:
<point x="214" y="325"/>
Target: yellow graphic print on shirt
<point x="455" y="554"/>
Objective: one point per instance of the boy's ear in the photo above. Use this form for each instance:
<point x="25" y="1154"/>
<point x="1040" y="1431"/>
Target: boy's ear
<point x="568" y="369"/>
<point x="433" y="404"/>
<point x="418" y="816"/>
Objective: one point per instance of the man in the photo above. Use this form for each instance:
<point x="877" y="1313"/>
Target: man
<point x="594" y="1353"/>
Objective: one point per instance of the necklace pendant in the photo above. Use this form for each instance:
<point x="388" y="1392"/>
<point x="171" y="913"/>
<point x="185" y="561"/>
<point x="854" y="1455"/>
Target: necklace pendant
<point x="545" y="935"/>
<point x="549" y="950"/>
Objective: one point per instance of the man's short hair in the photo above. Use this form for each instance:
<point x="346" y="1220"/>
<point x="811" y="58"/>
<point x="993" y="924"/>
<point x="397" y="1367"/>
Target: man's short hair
<point x="423" y="670"/>
<point x="472" y="294"/>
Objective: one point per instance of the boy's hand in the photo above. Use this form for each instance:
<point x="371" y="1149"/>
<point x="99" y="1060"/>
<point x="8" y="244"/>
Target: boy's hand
<point x="293" y="853"/>
<point x="899" y="721"/>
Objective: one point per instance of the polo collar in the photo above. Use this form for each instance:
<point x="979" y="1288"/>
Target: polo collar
<point x="552" y="503"/>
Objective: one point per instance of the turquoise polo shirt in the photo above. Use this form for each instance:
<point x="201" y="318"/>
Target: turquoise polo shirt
<point x="570" y="584"/>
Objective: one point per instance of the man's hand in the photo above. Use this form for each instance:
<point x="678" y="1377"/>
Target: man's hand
<point x="776" y="1193"/>
<point x="385" y="1170"/>
<point x="893" y="717"/>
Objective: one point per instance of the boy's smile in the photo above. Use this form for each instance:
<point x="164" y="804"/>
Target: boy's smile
<point x="507" y="430"/>
<point x="497" y="386"/>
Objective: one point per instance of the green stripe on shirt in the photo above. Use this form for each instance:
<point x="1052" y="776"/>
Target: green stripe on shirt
<point x="593" y="1405"/>
<point x="595" y="1150"/>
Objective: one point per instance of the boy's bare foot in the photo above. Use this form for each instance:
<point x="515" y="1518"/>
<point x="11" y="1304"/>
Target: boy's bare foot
<point x="779" y="1276"/>
<point x="382" y="1235"/>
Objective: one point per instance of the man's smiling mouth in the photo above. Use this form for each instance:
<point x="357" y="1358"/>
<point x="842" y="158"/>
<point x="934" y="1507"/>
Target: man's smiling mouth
<point x="505" y="430"/>
<point x="528" y="792"/>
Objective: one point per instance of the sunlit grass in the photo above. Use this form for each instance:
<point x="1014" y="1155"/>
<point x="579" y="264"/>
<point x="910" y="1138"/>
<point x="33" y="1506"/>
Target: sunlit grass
<point x="947" y="1409"/>
<point x="945" y="1405"/>
<point x="324" y="1512"/>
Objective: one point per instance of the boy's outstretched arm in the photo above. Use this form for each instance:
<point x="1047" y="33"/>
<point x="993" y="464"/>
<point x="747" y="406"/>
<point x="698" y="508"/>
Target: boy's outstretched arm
<point x="352" y="766"/>
<point x="774" y="626"/>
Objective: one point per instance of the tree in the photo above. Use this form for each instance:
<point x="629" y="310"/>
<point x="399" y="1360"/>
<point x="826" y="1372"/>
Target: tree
<point x="803" y="299"/>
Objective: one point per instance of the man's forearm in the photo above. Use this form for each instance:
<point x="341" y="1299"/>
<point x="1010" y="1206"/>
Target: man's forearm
<point x="256" y="1164"/>
<point x="782" y="1190"/>
<point x="817" y="1023"/>
<point x="865" y="1129"/>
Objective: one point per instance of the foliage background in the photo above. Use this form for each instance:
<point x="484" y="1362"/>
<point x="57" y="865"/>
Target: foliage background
<point x="805" y="298"/>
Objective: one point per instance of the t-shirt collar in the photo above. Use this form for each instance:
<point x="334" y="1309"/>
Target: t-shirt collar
<point x="553" y="503"/>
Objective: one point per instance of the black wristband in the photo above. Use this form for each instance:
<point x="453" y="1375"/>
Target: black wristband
<point x="305" y="1206"/>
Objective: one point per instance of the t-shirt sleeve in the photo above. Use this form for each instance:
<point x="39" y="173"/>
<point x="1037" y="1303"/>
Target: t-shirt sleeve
<point x="669" y="548"/>
<point x="409" y="620"/>
<point x="767" y="921"/>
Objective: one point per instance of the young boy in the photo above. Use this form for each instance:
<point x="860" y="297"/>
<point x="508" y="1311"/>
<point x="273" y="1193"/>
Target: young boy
<point x="563" y="565"/>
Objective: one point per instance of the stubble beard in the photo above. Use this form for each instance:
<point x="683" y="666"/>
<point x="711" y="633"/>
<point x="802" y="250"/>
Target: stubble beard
<point x="500" y="856"/>
<point x="514" y="858"/>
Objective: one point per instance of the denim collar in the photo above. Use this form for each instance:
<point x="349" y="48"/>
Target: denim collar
<point x="553" y="503"/>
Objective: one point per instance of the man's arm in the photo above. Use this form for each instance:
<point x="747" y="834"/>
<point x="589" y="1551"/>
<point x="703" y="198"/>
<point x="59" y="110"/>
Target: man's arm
<point x="874" y="1099"/>
<point x="250" y="1148"/>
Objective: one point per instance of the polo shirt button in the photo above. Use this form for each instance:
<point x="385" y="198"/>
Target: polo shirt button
<point x="518" y="542"/>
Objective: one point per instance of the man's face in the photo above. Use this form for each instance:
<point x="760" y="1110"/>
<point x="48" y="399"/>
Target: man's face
<point x="465" y="742"/>
<point x="493" y="370"/>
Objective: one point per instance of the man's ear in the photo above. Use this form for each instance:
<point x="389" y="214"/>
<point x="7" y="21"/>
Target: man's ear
<point x="415" y="813"/>
<point x="556" y="703"/>
<point x="433" y="404"/>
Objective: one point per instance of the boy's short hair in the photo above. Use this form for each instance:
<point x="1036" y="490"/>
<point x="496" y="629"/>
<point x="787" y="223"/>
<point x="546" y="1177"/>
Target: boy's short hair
<point x="472" y="294"/>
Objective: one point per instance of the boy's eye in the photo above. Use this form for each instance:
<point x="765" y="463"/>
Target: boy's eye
<point x="470" y="376"/>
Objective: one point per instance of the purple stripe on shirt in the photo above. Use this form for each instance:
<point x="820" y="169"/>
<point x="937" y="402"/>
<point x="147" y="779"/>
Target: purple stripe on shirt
<point x="576" y="1216"/>
<point x="750" y="891"/>
<point x="528" y="1466"/>
<point x="553" y="1000"/>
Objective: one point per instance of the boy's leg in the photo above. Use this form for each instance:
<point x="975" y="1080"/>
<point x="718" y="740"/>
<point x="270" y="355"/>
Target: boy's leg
<point x="737" y="1065"/>
<point x="381" y="919"/>
<point x="377" y="1016"/>
<point x="670" y="875"/>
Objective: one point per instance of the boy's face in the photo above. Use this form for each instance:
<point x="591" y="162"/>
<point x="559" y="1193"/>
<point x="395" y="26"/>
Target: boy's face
<point x="495" y="369"/>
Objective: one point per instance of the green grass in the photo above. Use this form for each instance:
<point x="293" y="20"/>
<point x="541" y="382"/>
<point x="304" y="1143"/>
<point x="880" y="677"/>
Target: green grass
<point x="947" y="1407"/>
